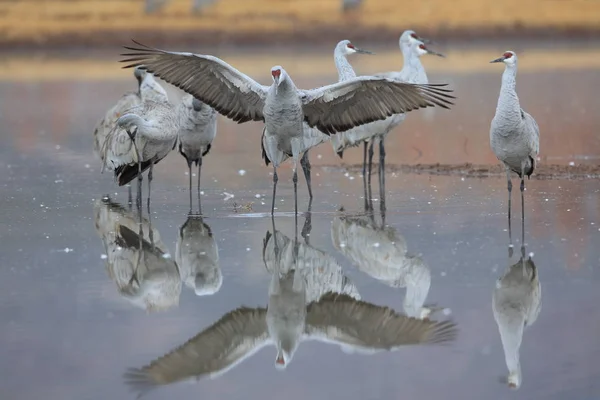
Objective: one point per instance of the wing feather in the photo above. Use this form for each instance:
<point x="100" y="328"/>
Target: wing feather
<point x="207" y="78"/>
<point x="344" y="105"/>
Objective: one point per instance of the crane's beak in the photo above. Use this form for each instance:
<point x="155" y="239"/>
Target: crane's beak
<point x="435" y="53"/>
<point x="361" y="51"/>
<point x="425" y="41"/>
<point x="498" y="60"/>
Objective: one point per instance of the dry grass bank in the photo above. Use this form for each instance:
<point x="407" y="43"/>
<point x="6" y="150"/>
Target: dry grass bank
<point x="108" y="21"/>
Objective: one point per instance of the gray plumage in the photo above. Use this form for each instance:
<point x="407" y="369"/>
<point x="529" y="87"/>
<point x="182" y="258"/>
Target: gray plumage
<point x="381" y="253"/>
<point x="320" y="271"/>
<point x="335" y="318"/>
<point x="283" y="107"/>
<point x="412" y="48"/>
<point x="137" y="260"/>
<point x="197" y="130"/>
<point x="106" y="124"/>
<point x="111" y="144"/>
<point x="197" y="256"/>
<point x="154" y="126"/>
<point x="516" y="303"/>
<point x="514" y="134"/>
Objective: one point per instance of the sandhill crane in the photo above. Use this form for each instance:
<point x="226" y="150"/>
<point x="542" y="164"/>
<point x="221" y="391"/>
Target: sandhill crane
<point x="516" y="302"/>
<point x="380" y="252"/>
<point x="336" y="318"/>
<point x="197" y="130"/>
<point x="148" y="89"/>
<point x="282" y="107"/>
<point x="514" y="134"/>
<point x="137" y="260"/>
<point x="412" y="72"/>
<point x="150" y="129"/>
<point x="197" y="257"/>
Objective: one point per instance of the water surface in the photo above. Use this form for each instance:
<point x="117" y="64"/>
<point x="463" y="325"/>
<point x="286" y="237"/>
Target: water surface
<point x="68" y="333"/>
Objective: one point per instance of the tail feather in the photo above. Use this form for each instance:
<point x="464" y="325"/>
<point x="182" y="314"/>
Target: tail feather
<point x="127" y="173"/>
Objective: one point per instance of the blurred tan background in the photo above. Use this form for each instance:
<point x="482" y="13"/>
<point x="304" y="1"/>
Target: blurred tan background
<point x="103" y="22"/>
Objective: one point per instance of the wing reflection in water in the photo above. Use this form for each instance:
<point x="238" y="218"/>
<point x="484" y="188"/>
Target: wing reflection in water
<point x="137" y="260"/>
<point x="516" y="303"/>
<point x="380" y="252"/>
<point x="289" y="319"/>
<point x="197" y="257"/>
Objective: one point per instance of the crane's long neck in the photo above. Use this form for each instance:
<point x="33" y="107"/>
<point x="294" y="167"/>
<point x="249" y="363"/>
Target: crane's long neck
<point x="413" y="70"/>
<point x="418" y="282"/>
<point x="511" y="333"/>
<point x="508" y="110"/>
<point x="144" y="127"/>
<point x="345" y="70"/>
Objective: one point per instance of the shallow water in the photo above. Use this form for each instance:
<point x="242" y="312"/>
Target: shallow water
<point x="68" y="333"/>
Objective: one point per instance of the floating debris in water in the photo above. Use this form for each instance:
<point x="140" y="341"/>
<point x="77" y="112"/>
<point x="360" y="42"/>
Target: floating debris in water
<point x="242" y="172"/>
<point x="67" y="250"/>
<point x="166" y="255"/>
<point x="446" y="311"/>
<point x="227" y="196"/>
<point x="87" y="165"/>
<point x="443" y="273"/>
<point x="58" y="181"/>
<point x="247" y="248"/>
<point x="103" y="256"/>
<point x="531" y="254"/>
<point x="257" y="195"/>
<point x="376" y="244"/>
<point x="571" y="163"/>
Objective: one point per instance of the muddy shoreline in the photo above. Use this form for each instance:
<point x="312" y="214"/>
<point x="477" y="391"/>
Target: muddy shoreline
<point x="314" y="36"/>
<point x="467" y="170"/>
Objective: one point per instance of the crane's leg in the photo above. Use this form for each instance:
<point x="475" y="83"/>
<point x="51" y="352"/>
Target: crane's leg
<point x="275" y="155"/>
<point x="149" y="185"/>
<point x="275" y="179"/>
<point x="139" y="161"/>
<point x="522" y="204"/>
<point x="382" y="177"/>
<point x="199" y="172"/>
<point x="296" y="150"/>
<point x="370" y="163"/>
<point x="364" y="170"/>
<point x="129" y="196"/>
<point x="189" y="163"/>
<point x="295" y="180"/>
<point x="381" y="162"/>
<point x="510" y="245"/>
<point x="306" y="229"/>
<point x="305" y="163"/>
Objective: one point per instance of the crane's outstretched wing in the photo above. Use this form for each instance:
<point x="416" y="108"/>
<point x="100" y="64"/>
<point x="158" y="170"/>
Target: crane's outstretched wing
<point x="208" y="78"/>
<point x="340" y="319"/>
<point x="344" y="105"/>
<point x="236" y="336"/>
